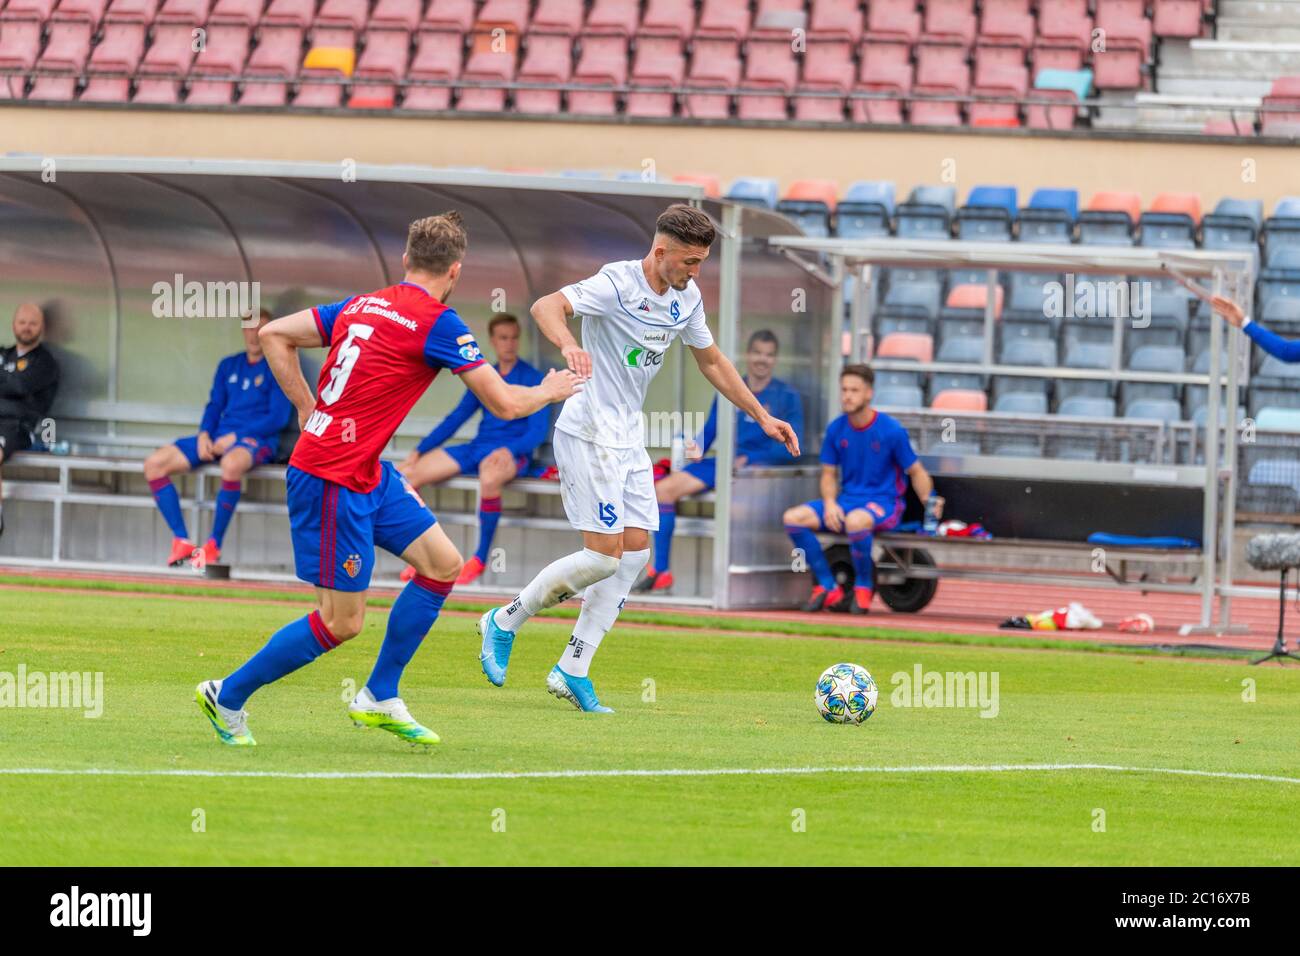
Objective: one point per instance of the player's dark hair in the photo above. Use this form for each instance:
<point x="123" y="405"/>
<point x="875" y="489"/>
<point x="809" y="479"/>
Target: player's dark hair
<point x="863" y="372"/>
<point x="505" y="318"/>
<point x="686" y="224"/>
<point x="764" y="335"/>
<point x="435" y="243"/>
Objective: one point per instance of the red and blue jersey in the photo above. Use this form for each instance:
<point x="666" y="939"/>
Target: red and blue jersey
<point x="871" y="459"/>
<point x="386" y="347"/>
<point x="245" y="399"/>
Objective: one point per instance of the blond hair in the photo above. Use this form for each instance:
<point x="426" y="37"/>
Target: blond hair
<point x="435" y="243"/>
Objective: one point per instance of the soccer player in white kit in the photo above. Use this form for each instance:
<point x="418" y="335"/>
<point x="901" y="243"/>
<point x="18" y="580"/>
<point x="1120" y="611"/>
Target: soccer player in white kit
<point x="631" y="312"/>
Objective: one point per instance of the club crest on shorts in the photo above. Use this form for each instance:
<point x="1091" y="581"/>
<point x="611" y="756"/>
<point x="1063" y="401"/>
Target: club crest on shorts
<point x="606" y="514"/>
<point x="352" y="565"/>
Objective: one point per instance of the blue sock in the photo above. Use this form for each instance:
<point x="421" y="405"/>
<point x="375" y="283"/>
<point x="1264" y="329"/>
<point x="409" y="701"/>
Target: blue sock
<point x="289" y="648"/>
<point x="489" y="513"/>
<point x="664" y="537"/>
<point x="169" y="503"/>
<point x="806" y="539"/>
<point x="864" y="569"/>
<point x="227" y="498"/>
<point x="413" y="614"/>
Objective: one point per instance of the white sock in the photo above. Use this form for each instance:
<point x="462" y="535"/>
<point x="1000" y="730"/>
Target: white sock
<point x="600" y="608"/>
<point x="558" y="581"/>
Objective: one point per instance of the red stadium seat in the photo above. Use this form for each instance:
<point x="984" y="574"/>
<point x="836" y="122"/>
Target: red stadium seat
<point x="268" y="94"/>
<point x="384" y="57"/>
<point x="437" y="57"/>
<point x="1117" y="201"/>
<point x="225" y="53"/>
<point x="60" y="89"/>
<point x="430" y="98"/>
<point x="994" y="63"/>
<point x="235" y="12"/>
<point x="289" y="13"/>
<point x="395" y="15"/>
<point x="1176" y="18"/>
<point x="1007" y="21"/>
<point x="712" y="188"/>
<point x="1064" y="35"/>
<point x="372" y="96"/>
<point x="20" y="42"/>
<point x="68" y="47"/>
<point x="1228" y="127"/>
<point x="1003" y="83"/>
<point x="348" y="14"/>
<point x="1057" y="115"/>
<point x="941" y="63"/>
<point x="124" y="11"/>
<point x="1128" y="44"/>
<point x="278" y="53"/>
<point x="824" y="191"/>
<point x="602" y="61"/>
<point x="557" y="16"/>
<point x="827" y="68"/>
<point x="893" y="20"/>
<point x="885" y="51"/>
<point x="961" y="400"/>
<point x="119" y="51"/>
<point x="836" y="20"/>
<point x="719" y="67"/>
<point x="39" y="10"/>
<point x="549" y="59"/>
<point x="723" y="19"/>
<point x="156" y="90"/>
<point x="319" y="95"/>
<point x="949" y="21"/>
<point x="778" y="19"/>
<point x="455" y="16"/>
<point x="171" y="52"/>
<point x="771" y="61"/>
<point x="1187" y="204"/>
<point x="613" y="16"/>
<point x="210" y="93"/>
<point x="106" y="89"/>
<point x="935" y="76"/>
<point x="1280" y="109"/>
<point x="193" y="12"/>
<point x="880" y="75"/>
<point x="508" y="15"/>
<point x="974" y="296"/>
<point x="659" y="61"/>
<point x="674" y="18"/>
<point x="906" y="345"/>
<point x="90" y="11"/>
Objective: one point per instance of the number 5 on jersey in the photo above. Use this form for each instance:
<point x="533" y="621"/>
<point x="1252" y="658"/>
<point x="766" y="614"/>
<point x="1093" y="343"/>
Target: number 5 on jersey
<point x="348" y="354"/>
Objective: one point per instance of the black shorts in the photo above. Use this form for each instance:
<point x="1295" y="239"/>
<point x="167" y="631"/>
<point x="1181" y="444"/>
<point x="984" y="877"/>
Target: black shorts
<point x="13" y="437"/>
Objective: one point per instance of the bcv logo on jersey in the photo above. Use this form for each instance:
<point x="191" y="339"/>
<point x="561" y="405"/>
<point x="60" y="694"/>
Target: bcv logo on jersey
<point x="606" y="514"/>
<point x="634" y="356"/>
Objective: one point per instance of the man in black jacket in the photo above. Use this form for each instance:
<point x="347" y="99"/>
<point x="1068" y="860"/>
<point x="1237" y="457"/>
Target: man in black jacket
<point x="29" y="377"/>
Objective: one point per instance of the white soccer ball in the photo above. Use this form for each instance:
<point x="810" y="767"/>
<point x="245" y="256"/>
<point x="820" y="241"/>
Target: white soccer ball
<point x="846" y="694"/>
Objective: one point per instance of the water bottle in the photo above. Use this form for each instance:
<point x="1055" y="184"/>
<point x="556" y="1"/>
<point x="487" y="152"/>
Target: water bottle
<point x="677" y="455"/>
<point x="60" y="448"/>
<point x="931" y="523"/>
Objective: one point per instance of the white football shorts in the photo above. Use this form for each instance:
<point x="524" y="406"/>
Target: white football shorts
<point x="605" y="489"/>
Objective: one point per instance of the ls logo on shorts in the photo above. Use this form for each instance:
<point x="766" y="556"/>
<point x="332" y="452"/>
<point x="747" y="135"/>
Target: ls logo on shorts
<point x="606" y="514"/>
<point x="352" y="565"/>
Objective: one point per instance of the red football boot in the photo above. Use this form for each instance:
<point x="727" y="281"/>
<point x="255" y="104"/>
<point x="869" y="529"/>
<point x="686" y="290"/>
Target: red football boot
<point x="182" y="551"/>
<point x="208" y="554"/>
<point x="838" y="601"/>
<point x="818" y="599"/>
<point x="862" y="601"/>
<point x="663" y="582"/>
<point x="472" y="569"/>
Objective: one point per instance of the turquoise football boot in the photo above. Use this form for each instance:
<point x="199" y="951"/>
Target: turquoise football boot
<point x="576" y="690"/>
<point x="494" y="654"/>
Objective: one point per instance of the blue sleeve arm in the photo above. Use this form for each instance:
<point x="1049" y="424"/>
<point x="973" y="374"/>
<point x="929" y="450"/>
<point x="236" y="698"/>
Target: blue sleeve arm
<point x="446" y="428"/>
<point x="538" y="422"/>
<point x="710" y="428"/>
<point x="276" y="416"/>
<point x="216" y="402"/>
<point x="1288" y="350"/>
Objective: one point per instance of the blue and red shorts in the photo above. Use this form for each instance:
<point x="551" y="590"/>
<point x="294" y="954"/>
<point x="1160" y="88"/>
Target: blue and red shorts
<point x="887" y="512"/>
<point x="706" y="470"/>
<point x="471" y="454"/>
<point x="335" y="529"/>
<point x="262" y="449"/>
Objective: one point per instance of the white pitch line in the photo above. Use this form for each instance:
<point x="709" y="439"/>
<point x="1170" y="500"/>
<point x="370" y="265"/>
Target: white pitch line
<point x="582" y="774"/>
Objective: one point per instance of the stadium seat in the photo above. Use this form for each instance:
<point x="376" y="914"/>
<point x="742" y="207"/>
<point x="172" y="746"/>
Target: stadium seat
<point x="54" y="89"/>
<point x="67" y="50"/>
<point x="913" y="295"/>
<point x="278" y="53"/>
<point x="867" y="209"/>
<point x="119" y="52"/>
<point x="1128" y="44"/>
<point x="224" y="55"/>
<point x="153" y="90"/>
<point x="960" y="400"/>
<point x="38" y="10"/>
<point x="723" y="19"/>
<point x="836" y="20"/>
<point x="210" y="92"/>
<point x="1086" y="355"/>
<point x="1176" y="18"/>
<point x="752" y="191"/>
<point x="510" y="16"/>
<point x="961" y="349"/>
<point x="904" y="345"/>
<point x="974" y="298"/>
<point x="20" y="42"/>
<point x="1280" y="109"/>
<point x="1278" y="419"/>
<point x="1038" y="352"/>
<point x="1021" y="403"/>
<point x="949" y="21"/>
<point x="286" y="13"/>
<point x="1172" y="221"/>
<point x="613" y="16"/>
<point x="549" y="59"/>
<point x="1086" y="406"/>
<point x="659" y="61"/>
<point x="1055" y="98"/>
<point x="899" y="396"/>
<point x="893" y="20"/>
<point x="372" y="96"/>
<point x="715" y="65"/>
<point x="106" y="89"/>
<point x="241" y="13"/>
<point x="563" y="17"/>
<point x="1110" y="218"/>
<point x="384" y="57"/>
<point x="889" y="81"/>
<point x="85" y="11"/>
<point x="1234" y="224"/>
<point x="193" y="12"/>
<point x="1158" y="409"/>
<point x="172" y="53"/>
<point x="674" y="18"/>
<point x="988" y="214"/>
<point x="828" y="69"/>
<point x="452" y="16"/>
<point x="810" y="203"/>
<point x="712" y="189"/>
<point x="263" y="93"/>
<point x="395" y="15"/>
<point x="343" y="14"/>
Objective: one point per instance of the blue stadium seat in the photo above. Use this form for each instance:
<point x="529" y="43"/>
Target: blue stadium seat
<point x="1028" y="351"/>
<point x="889" y="378"/>
<point x="1281" y="277"/>
<point x="913" y="294"/>
<point x="1281" y="230"/>
<point x="943" y="381"/>
<point x="754" y="191"/>
<point x="1021" y="403"/>
<point x="1234" y="224"/>
<point x="867" y="209"/>
<point x="988" y="215"/>
<point x="1011" y="384"/>
<point x="1159" y="409"/>
<point x="1078" y="82"/>
<point x="1087" y="406"/>
<point x="899" y="396"/>
<point x="927" y="214"/>
<point x="1274" y="371"/>
<point x="888" y="323"/>
<point x="1085" y="355"/>
<point x="1278" y="419"/>
<point x="1050" y="216"/>
<point x="1167" y="230"/>
<point x="961" y="348"/>
<point x="1275" y="396"/>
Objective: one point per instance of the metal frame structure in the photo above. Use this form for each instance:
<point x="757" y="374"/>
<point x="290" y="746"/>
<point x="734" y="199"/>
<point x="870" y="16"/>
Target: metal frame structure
<point x="1228" y="272"/>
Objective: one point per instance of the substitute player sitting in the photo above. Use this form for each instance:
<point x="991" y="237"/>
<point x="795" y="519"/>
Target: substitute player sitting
<point x="753" y="447"/>
<point x="241" y="427"/>
<point x="385" y="348"/>
<point x="501" y="450"/>
<point x="864" y="457"/>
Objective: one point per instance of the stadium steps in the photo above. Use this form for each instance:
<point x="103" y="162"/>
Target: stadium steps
<point x="1255" y="21"/>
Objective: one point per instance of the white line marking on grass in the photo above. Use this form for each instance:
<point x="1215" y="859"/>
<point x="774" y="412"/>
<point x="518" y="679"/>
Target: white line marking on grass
<point x="581" y="774"/>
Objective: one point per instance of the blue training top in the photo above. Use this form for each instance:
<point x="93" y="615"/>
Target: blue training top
<point x="245" y="399"/>
<point x="520" y="435"/>
<point x="871" y="459"/>
<point x="1288" y="350"/>
<point x="780" y="401"/>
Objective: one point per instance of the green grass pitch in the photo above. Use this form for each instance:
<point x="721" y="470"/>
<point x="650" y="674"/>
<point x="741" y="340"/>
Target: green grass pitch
<point x="685" y="700"/>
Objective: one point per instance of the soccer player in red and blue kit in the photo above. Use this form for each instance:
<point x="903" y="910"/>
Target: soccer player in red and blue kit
<point x="864" y="457"/>
<point x="385" y="348"/>
<point x="241" y="427"/>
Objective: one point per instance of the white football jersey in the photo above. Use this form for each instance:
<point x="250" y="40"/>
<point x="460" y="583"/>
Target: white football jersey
<point x="626" y="328"/>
